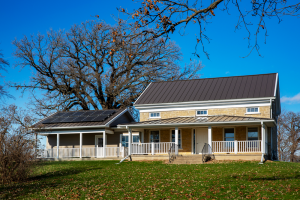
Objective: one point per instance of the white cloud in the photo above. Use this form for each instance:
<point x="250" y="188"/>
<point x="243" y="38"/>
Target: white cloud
<point x="294" y="99"/>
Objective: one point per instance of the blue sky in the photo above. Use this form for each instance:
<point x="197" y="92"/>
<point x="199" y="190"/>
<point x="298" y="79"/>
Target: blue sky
<point x="227" y="47"/>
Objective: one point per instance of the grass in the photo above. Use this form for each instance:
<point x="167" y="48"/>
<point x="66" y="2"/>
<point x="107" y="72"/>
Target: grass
<point x="155" y="180"/>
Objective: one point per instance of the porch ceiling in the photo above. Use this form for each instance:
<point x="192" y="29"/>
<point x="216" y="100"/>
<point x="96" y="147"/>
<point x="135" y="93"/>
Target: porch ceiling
<point x="205" y="120"/>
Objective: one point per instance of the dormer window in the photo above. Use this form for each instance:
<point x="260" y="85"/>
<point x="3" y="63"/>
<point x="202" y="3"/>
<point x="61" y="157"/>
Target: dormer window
<point x="252" y="110"/>
<point x="201" y="112"/>
<point x="154" y="115"/>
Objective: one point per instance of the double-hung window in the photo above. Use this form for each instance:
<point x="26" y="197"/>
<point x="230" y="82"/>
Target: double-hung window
<point x="253" y="133"/>
<point x="125" y="140"/>
<point x="229" y="136"/>
<point x="179" y="138"/>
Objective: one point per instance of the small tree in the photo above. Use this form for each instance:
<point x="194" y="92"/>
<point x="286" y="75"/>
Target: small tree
<point x="288" y="136"/>
<point x="17" y="145"/>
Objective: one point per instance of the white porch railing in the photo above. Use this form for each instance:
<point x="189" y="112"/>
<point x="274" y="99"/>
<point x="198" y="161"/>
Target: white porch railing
<point x="223" y="146"/>
<point x="86" y="152"/>
<point x="249" y="146"/>
<point x="151" y="148"/>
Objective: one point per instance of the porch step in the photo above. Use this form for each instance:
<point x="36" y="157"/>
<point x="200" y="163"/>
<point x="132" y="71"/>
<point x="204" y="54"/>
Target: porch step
<point x="182" y="159"/>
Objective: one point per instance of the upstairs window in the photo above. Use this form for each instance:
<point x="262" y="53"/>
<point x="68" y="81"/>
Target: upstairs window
<point x="201" y="112"/>
<point x="154" y="115"/>
<point x="252" y="110"/>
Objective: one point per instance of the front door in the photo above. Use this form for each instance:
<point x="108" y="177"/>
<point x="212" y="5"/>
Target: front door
<point x="201" y="139"/>
<point x="99" y="145"/>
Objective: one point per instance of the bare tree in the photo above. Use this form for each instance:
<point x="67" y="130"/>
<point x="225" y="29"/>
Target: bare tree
<point x="17" y="144"/>
<point x="3" y="65"/>
<point x="288" y="136"/>
<point x="166" y="16"/>
<point x="95" y="65"/>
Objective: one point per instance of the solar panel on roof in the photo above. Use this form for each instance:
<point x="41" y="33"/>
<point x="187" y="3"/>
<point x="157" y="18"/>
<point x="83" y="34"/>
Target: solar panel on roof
<point x="80" y="116"/>
<point x="100" y="118"/>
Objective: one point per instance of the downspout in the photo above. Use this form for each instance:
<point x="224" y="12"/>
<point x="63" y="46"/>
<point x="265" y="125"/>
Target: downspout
<point x="262" y="155"/>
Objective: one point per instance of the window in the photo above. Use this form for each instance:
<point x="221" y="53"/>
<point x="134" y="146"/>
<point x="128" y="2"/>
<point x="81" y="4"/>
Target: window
<point x="201" y="112"/>
<point x="154" y="136"/>
<point x="155" y="115"/>
<point x="252" y="110"/>
<point x="125" y="138"/>
<point x="229" y="134"/>
<point x="179" y="138"/>
<point x="253" y="133"/>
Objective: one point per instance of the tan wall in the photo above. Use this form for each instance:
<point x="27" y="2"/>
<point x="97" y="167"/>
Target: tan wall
<point x="264" y="112"/>
<point x="240" y="133"/>
<point x="165" y="136"/>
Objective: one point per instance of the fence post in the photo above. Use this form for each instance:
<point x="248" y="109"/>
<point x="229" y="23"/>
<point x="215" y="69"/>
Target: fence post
<point x="235" y="146"/>
<point x="152" y="148"/>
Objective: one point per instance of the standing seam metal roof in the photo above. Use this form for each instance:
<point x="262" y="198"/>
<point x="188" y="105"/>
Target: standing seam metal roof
<point x="235" y="87"/>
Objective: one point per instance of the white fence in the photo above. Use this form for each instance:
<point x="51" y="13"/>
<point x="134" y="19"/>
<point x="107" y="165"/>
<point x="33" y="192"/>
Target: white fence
<point x="249" y="146"/>
<point x="97" y="152"/>
<point x="151" y="148"/>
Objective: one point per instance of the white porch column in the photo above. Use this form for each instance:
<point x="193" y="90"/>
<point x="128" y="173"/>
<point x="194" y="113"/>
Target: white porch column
<point x="57" y="145"/>
<point x="176" y="140"/>
<point x="80" y="143"/>
<point x="129" y="141"/>
<point x="209" y="137"/>
<point x="262" y="137"/>
<point x="104" y="144"/>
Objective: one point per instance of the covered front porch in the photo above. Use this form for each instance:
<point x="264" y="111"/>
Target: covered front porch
<point x="250" y="136"/>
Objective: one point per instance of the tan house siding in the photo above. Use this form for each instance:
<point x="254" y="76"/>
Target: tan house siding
<point x="165" y="135"/>
<point x="217" y="134"/>
<point x="186" y="140"/>
<point x="264" y="112"/>
<point x="240" y="133"/>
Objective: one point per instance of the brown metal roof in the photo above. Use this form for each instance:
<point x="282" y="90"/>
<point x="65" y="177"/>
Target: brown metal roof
<point x="235" y="87"/>
<point x="195" y="120"/>
<point x="74" y="124"/>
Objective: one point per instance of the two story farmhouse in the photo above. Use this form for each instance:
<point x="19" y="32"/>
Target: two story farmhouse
<point x="235" y="116"/>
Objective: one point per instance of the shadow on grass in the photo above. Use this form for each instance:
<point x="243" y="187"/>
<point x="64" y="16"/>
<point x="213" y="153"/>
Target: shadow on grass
<point x="274" y="178"/>
<point x="269" y="178"/>
<point x="40" y="182"/>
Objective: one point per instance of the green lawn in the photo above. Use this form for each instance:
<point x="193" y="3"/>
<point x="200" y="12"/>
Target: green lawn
<point x="154" y="180"/>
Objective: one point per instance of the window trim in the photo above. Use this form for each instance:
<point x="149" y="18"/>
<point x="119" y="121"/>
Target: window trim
<point x="150" y="134"/>
<point x="154" y="117"/>
<point x="249" y="113"/>
<point x="258" y="128"/>
<point x="203" y="114"/>
<point x="228" y="128"/>
<point x="181" y="136"/>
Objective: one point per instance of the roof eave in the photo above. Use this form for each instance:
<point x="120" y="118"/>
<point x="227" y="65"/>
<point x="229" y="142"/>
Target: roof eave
<point x="195" y="124"/>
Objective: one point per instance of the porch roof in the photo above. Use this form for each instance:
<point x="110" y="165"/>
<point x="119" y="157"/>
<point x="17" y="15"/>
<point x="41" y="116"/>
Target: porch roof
<point x="205" y="120"/>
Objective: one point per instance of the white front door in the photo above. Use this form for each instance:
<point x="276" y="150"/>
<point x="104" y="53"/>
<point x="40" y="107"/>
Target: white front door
<point x="99" y="145"/>
<point x="201" y="139"/>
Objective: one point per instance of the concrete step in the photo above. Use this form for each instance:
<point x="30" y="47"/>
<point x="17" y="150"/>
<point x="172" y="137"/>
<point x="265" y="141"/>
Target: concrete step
<point x="190" y="159"/>
<point x="186" y="162"/>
